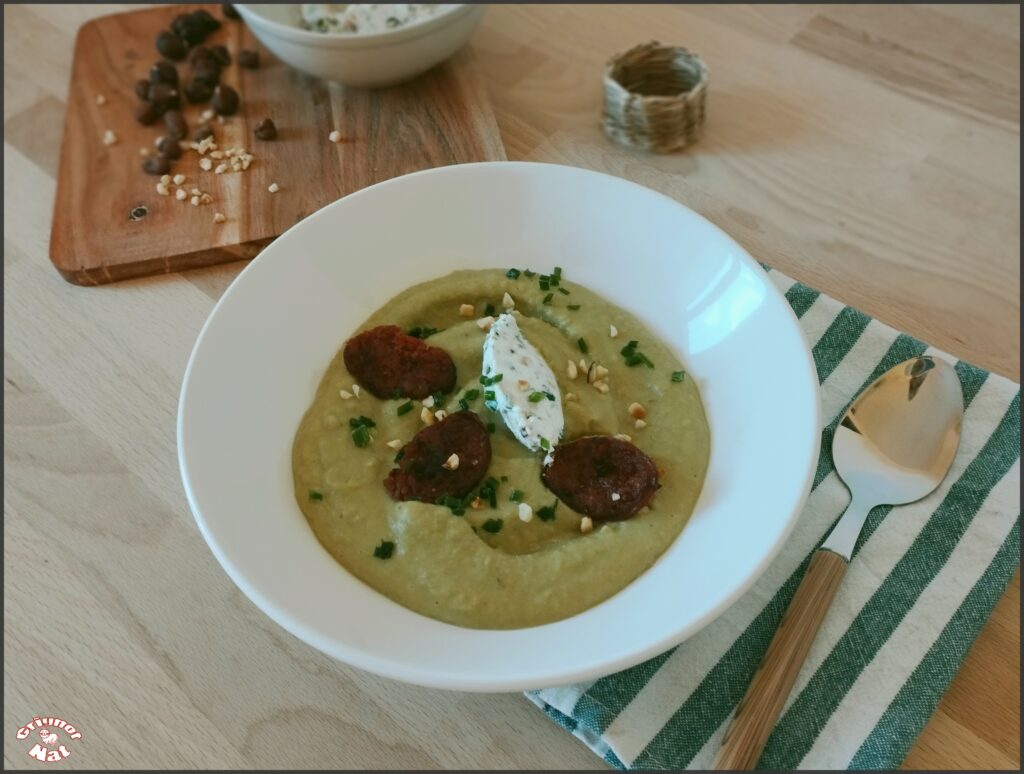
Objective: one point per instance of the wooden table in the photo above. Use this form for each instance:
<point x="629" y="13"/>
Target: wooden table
<point x="869" y="152"/>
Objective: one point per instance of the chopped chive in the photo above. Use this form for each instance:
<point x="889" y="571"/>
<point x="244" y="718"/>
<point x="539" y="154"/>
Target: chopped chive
<point x="497" y="378"/>
<point x="678" y="376"/>
<point x="356" y="422"/>
<point x="548" y="395"/>
<point x="582" y="345"/>
<point x="491" y="427"/>
<point x="516" y="496"/>
<point x="405" y="408"/>
<point x="547" y="513"/>
<point x="438" y="399"/>
<point x="489" y="310"/>
<point x="423" y="332"/>
<point x="529" y="273"/>
<point x="563" y="291"/>
<point x="384" y="550"/>
<point x="401" y="453"/>
<point x="573" y="307"/>
<point x="471" y="394"/>
<point x="547" y="298"/>
<point x="536" y="397"/>
<point x="315" y="496"/>
<point x="361" y="436"/>
<point x="513" y="273"/>
<point x="463" y="404"/>
<point x="553" y="281"/>
<point x="492" y="525"/>
<point x="544" y="283"/>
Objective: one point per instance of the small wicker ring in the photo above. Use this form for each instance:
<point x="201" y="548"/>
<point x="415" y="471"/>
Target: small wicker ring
<point x="654" y="97"/>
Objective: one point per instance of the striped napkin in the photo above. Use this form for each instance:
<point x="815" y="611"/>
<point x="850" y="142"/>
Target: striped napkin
<point x="918" y="590"/>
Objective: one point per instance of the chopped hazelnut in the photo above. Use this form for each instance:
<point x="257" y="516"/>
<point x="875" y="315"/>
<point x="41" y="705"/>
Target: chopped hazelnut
<point x="179" y="179"/>
<point x="466" y="310"/>
<point x="637" y="411"/>
<point x="586" y="525"/>
<point x="508" y="302"/>
<point x="525" y="512"/>
<point x="616" y="497"/>
<point x="395" y="444"/>
<point x="273" y="188"/>
<point x="440" y="414"/>
<point x="485" y="323"/>
<point x="345" y="394"/>
<point x="218" y="217"/>
<point x="452" y="463"/>
<point x="622" y="437"/>
<point x="571" y="370"/>
<point x="613" y="331"/>
<point x="426" y="416"/>
<point x="334" y="136"/>
<point x="109" y="138"/>
<point x="428" y="401"/>
<point x="356" y="390"/>
<point x="206" y="164"/>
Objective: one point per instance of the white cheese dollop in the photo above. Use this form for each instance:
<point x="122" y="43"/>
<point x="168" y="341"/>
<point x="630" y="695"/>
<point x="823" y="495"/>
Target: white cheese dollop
<point x="523" y="373"/>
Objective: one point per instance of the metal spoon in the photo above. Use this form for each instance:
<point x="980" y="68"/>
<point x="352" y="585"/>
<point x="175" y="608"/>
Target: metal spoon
<point x="894" y="445"/>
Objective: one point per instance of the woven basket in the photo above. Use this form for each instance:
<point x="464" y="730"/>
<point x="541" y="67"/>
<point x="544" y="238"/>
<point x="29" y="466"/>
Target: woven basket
<point x="654" y="97"/>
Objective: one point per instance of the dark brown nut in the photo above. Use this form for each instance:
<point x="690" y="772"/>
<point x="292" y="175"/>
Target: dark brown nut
<point x="424" y="473"/>
<point x="198" y="91"/>
<point x="202" y="132"/>
<point x="225" y="100"/>
<point x="175" y="123"/>
<point x="603" y="477"/>
<point x="248" y="59"/>
<point x="207" y="70"/>
<point x="221" y="54"/>
<point x="265" y="130"/>
<point x="196" y="53"/>
<point x="387" y="361"/>
<point x="164" y="72"/>
<point x="230" y="12"/>
<point x="168" y="148"/>
<point x="206" y="21"/>
<point x="142" y="89"/>
<point x="189" y="28"/>
<point x="146" y="113"/>
<point x="165" y="97"/>
<point x="171" y="45"/>
<point x="156" y="165"/>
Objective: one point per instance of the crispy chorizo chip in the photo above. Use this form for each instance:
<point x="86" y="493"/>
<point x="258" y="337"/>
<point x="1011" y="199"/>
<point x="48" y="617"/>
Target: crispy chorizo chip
<point x="602" y="477"/>
<point x="390" y="363"/>
<point x="447" y="458"/>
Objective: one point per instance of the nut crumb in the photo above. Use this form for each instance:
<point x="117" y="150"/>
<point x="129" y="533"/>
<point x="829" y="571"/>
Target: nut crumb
<point x="345" y="394"/>
<point x="485" y="323"/>
<point x="162" y="189"/>
<point x="428" y="401"/>
<point x="426" y="416"/>
<point x="640" y="424"/>
<point x="622" y="437"/>
<point x="616" y="497"/>
<point x="218" y="217"/>
<point x="586" y="525"/>
<point x="600" y="372"/>
<point x="613" y="331"/>
<point x="195" y="192"/>
<point x="523" y="385"/>
<point x="165" y="179"/>
<point x="570" y="396"/>
<point x="101" y="100"/>
<point x="334" y="136"/>
<point x="180" y="195"/>
<point x="221" y="169"/>
<point x="205" y="198"/>
<point x="195" y="201"/>
<point x="179" y="179"/>
<point x="452" y="463"/>
<point x="395" y="444"/>
<point x="467" y="310"/>
<point x="571" y="371"/>
<point x="273" y="188"/>
<point x="508" y="302"/>
<point x="146" y="152"/>
<point x="525" y="512"/>
<point x="207" y="115"/>
<point x="205" y="164"/>
<point x="637" y="411"/>
<point x="602" y="387"/>
<point x="476" y="504"/>
<point x="216" y="154"/>
<point x="440" y="414"/>
<point x="109" y="138"/>
<point x="356" y="389"/>
<point x="583" y="364"/>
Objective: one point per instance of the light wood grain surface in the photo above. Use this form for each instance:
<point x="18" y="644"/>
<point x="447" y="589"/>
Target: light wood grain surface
<point x="871" y="152"/>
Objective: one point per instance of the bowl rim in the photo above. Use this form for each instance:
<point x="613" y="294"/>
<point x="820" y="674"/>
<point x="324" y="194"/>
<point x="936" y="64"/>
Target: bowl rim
<point x="252" y="14"/>
<point x="433" y="677"/>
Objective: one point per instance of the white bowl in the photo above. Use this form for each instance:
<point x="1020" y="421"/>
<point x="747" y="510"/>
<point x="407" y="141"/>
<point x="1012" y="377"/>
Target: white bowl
<point x="367" y="60"/>
<point x="261" y="354"/>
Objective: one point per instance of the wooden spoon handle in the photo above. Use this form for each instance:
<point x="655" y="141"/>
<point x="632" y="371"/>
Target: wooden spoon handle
<point x="765" y="697"/>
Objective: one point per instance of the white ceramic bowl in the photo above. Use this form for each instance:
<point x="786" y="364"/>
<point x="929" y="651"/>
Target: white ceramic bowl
<point x="367" y="60"/>
<point x="261" y="354"/>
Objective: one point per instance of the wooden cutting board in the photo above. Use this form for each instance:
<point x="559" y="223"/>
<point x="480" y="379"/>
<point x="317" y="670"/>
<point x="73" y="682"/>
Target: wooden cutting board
<point x="443" y="117"/>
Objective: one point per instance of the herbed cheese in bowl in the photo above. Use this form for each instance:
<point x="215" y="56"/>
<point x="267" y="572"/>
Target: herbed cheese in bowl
<point x="284" y="458"/>
<point x="366" y="45"/>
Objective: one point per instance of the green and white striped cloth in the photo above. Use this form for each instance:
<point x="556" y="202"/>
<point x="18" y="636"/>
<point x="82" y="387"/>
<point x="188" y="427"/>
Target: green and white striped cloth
<point x="918" y="590"/>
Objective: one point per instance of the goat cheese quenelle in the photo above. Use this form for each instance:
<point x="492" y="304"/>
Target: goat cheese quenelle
<point x="500" y="449"/>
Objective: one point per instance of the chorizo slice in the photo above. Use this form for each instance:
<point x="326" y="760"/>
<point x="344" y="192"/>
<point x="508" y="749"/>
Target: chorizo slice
<point x="390" y="363"/>
<point x="447" y="458"/>
<point x="602" y="477"/>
